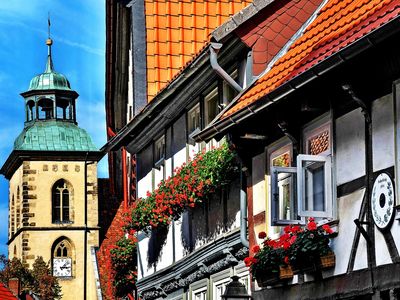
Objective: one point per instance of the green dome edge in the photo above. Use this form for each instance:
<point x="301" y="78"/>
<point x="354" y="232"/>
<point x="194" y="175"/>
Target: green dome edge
<point x="54" y="136"/>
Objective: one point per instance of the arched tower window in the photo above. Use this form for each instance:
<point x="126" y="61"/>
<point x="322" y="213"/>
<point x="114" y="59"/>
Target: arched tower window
<point x="61" y="202"/>
<point x="62" y="257"/>
<point x="45" y="109"/>
<point x="63" y="111"/>
<point x="30" y="111"/>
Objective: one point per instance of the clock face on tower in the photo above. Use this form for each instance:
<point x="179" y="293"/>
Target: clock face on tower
<point x="62" y="267"/>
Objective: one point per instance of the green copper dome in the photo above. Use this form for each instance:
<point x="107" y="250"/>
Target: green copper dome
<point x="54" y="136"/>
<point x="49" y="80"/>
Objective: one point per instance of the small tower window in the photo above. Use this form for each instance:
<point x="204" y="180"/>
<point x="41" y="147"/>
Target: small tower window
<point x="30" y="111"/>
<point x="45" y="109"/>
<point x="61" y="198"/>
<point x="63" y="110"/>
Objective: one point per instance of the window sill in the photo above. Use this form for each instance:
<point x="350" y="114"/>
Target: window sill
<point x="159" y="163"/>
<point x="63" y="223"/>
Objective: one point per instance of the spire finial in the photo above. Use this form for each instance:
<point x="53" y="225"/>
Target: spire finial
<point x="49" y="42"/>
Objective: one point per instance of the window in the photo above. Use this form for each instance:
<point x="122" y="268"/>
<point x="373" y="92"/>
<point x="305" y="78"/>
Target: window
<point x="314" y="181"/>
<point x="200" y="294"/>
<point x="159" y="152"/>
<point x="229" y="93"/>
<point x="219" y="288"/>
<point x="45" y="109"/>
<point x="283" y="183"/>
<point x="194" y="119"/>
<point x="306" y="189"/>
<point x="62" y="258"/>
<point x="61" y="197"/>
<point x="211" y="102"/>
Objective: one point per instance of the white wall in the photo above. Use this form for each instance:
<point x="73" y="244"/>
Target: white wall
<point x="350" y="147"/>
<point x="383" y="133"/>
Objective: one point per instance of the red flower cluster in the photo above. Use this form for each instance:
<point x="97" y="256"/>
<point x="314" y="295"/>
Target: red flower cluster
<point x="191" y="183"/>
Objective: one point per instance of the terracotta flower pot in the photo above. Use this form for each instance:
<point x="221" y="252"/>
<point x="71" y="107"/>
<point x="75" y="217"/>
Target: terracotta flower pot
<point x="328" y="261"/>
<point x="285" y="272"/>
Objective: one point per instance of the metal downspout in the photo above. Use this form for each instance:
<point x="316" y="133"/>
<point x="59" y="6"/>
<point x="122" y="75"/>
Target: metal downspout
<point x="214" y="49"/>
<point x="243" y="211"/>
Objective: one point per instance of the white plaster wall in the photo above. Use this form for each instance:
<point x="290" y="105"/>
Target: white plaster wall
<point x="349" y="209"/>
<point x="179" y="249"/>
<point x="381" y="251"/>
<point x="179" y="157"/>
<point x="168" y="167"/>
<point x="395" y="230"/>
<point x="258" y="177"/>
<point x="142" y="258"/>
<point x="397" y="139"/>
<point x="144" y="185"/>
<point x="361" y="261"/>
<point x="383" y="133"/>
<point x="350" y="147"/>
<point x="193" y="150"/>
<point x="158" y="176"/>
<point x="166" y="255"/>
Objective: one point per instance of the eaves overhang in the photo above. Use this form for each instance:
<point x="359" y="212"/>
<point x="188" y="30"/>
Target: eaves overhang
<point x="17" y="157"/>
<point x="57" y="92"/>
<point x="221" y="126"/>
<point x="137" y="125"/>
<point x="125" y="135"/>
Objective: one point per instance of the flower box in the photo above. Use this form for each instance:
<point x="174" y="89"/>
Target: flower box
<point x="285" y="272"/>
<point x="328" y="261"/>
<point x="267" y="279"/>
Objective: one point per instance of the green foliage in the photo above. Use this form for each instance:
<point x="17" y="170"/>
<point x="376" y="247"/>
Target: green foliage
<point x="192" y="183"/>
<point x="123" y="258"/>
<point x="38" y="280"/>
<point x="311" y="243"/>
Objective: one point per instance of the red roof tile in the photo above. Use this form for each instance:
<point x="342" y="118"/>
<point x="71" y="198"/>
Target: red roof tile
<point x="267" y="32"/>
<point x="338" y="24"/>
<point x="176" y="31"/>
<point x="5" y="293"/>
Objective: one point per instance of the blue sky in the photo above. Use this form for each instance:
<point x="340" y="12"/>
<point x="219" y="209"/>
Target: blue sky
<point x="78" y="32"/>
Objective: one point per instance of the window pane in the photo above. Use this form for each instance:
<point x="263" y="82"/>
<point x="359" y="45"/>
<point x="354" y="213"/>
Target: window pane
<point x="59" y="252"/>
<point x="159" y="151"/>
<point x="314" y="186"/>
<point x="56" y="205"/>
<point x="286" y="196"/>
<point x="65" y="208"/>
<point x="194" y="118"/>
<point x="211" y="106"/>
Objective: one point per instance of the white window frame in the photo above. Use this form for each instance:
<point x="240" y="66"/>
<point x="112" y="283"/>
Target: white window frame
<point x="213" y="93"/>
<point x="326" y="160"/>
<point x="273" y="151"/>
<point x="159" y="161"/>
<point x="276" y="202"/>
<point x="196" y="109"/>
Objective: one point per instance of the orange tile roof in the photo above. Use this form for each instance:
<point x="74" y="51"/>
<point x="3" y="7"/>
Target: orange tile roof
<point x="5" y="293"/>
<point x="176" y="31"/>
<point x="338" y="24"/>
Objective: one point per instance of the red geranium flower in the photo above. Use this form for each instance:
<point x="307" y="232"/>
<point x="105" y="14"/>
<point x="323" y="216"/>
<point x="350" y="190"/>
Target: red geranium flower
<point x="312" y="225"/>
<point x="255" y="248"/>
<point x="262" y="235"/>
<point x="327" y="228"/>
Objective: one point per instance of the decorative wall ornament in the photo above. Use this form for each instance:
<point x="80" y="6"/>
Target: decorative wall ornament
<point x="382" y="201"/>
<point x="201" y="272"/>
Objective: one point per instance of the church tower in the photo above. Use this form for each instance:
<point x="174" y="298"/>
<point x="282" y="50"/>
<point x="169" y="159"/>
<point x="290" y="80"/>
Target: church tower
<point x="52" y="170"/>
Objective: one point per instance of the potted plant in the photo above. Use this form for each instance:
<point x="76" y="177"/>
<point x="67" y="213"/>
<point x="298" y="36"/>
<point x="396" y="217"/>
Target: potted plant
<point x="270" y="264"/>
<point x="311" y="251"/>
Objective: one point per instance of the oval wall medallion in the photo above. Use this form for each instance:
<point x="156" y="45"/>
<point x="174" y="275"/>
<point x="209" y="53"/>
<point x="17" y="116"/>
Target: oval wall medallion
<point x="382" y="201"/>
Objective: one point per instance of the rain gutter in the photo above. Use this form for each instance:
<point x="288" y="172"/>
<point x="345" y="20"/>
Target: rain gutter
<point x="368" y="41"/>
